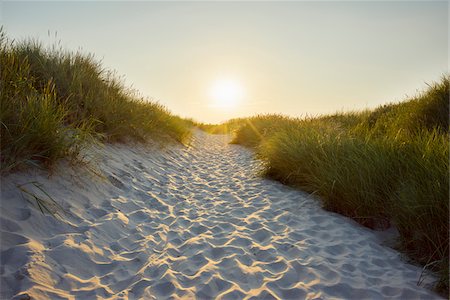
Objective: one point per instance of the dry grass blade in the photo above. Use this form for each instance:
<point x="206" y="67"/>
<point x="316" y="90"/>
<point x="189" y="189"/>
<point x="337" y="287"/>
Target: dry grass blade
<point x="45" y="204"/>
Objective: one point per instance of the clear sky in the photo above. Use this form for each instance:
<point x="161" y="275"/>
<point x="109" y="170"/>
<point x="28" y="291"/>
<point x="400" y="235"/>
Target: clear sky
<point x="294" y="58"/>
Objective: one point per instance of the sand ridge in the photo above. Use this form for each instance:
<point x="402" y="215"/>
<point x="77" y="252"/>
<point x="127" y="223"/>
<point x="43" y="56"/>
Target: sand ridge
<point x="189" y="222"/>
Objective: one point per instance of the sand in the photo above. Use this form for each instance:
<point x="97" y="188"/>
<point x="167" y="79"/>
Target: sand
<point x="187" y="222"/>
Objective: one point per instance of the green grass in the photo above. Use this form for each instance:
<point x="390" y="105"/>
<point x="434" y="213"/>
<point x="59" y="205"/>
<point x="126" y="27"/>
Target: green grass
<point x="54" y="103"/>
<point x="389" y="165"/>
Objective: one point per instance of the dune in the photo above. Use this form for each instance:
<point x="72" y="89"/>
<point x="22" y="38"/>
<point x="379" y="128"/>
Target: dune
<point x="186" y="222"/>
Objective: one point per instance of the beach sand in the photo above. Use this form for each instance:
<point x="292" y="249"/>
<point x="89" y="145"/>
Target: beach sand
<point x="187" y="222"/>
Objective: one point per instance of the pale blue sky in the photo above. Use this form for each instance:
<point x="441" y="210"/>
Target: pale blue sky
<point x="294" y="58"/>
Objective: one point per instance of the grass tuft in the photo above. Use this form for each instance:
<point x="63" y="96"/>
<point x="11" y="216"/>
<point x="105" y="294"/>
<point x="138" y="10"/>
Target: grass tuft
<point x="53" y="103"/>
<point x="389" y="165"/>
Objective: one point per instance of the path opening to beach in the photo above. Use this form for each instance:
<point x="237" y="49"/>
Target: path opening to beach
<point x="193" y="221"/>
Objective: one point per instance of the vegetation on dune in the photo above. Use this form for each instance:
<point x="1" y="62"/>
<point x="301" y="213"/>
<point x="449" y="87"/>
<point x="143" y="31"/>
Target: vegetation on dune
<point x="389" y="165"/>
<point x="225" y="128"/>
<point x="54" y="103"/>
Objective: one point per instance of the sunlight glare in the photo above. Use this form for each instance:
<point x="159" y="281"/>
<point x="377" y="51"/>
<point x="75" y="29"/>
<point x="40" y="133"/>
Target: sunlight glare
<point x="226" y="93"/>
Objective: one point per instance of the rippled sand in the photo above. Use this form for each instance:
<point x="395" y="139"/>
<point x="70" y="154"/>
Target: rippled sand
<point x="192" y="222"/>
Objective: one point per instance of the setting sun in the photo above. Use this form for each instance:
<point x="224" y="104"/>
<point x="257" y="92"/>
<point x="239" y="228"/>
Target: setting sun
<point x="226" y="93"/>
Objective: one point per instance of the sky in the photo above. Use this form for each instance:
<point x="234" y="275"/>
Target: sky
<point x="213" y="61"/>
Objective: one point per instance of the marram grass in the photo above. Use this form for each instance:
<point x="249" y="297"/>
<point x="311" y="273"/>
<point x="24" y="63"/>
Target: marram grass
<point x="389" y="165"/>
<point x="53" y="103"/>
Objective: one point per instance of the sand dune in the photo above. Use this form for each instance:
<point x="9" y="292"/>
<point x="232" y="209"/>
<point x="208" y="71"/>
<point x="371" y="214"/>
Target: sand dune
<point x="192" y="222"/>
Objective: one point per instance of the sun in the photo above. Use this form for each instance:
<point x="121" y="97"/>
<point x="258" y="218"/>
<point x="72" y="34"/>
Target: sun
<point x="226" y="93"/>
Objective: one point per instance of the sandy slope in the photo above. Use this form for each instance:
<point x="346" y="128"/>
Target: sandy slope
<point x="188" y="222"/>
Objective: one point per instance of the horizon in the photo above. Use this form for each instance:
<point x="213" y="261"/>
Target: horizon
<point x="291" y="58"/>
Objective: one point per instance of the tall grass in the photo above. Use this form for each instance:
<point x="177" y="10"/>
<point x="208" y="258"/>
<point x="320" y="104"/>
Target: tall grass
<point x="54" y="102"/>
<point x="389" y="165"/>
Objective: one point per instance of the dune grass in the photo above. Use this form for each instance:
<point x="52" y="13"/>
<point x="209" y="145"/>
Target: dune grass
<point x="54" y="103"/>
<point x="389" y="165"/>
<point x="227" y="127"/>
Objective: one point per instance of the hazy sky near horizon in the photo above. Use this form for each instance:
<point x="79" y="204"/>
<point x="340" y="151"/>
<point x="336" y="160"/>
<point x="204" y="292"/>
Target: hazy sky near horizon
<point x="294" y="58"/>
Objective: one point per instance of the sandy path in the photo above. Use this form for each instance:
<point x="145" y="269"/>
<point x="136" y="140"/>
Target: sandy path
<point x="191" y="222"/>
